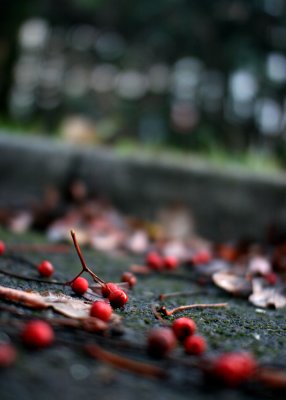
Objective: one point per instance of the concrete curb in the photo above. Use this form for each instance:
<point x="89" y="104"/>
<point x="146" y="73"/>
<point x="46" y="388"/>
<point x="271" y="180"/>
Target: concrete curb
<point x="225" y="204"/>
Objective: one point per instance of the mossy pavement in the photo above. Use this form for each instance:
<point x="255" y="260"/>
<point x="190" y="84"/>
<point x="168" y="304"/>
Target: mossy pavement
<point x="65" y="372"/>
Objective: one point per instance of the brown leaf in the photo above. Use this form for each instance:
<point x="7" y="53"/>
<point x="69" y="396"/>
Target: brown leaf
<point x="267" y="296"/>
<point x="232" y="283"/>
<point x="65" y="305"/>
<point x="68" y="306"/>
<point x="31" y="300"/>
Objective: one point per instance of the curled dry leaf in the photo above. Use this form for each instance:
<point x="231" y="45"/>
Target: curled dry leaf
<point x="31" y="300"/>
<point x="237" y="285"/>
<point x="61" y="303"/>
<point x="267" y="296"/>
<point x="67" y="305"/>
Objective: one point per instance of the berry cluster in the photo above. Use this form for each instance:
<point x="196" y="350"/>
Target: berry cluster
<point x="163" y="340"/>
<point x="117" y="297"/>
<point x="157" y="262"/>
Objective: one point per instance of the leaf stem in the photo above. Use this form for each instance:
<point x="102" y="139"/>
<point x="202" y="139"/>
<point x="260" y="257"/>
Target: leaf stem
<point x="85" y="268"/>
<point x="168" y="313"/>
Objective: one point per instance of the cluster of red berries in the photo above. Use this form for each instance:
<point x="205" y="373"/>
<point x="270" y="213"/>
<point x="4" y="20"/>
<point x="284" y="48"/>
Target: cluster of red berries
<point x="163" y="340"/>
<point x="117" y="297"/>
<point x="157" y="262"/>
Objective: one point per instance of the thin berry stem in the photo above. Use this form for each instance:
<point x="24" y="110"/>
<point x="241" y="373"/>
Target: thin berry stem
<point x="85" y="268"/>
<point x="168" y="313"/>
<point x="157" y="315"/>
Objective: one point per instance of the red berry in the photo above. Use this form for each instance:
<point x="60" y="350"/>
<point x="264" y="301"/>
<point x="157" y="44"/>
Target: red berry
<point x="7" y="354"/>
<point x="129" y="278"/>
<point x="271" y="278"/>
<point x="2" y="247"/>
<point x="118" y="298"/>
<point x="154" y="261"/>
<point x="38" y="334"/>
<point x="108" y="288"/>
<point x="170" y="262"/>
<point x="46" y="269"/>
<point x="184" y="327"/>
<point x="101" y="310"/>
<point x="80" y="285"/>
<point x="201" y="257"/>
<point x="234" y="368"/>
<point x="195" y="345"/>
<point x="161" y="341"/>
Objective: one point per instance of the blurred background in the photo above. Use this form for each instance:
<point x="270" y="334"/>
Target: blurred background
<point x="174" y="75"/>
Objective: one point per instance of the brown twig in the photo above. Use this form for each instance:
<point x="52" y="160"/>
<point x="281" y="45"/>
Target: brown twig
<point x="271" y="377"/>
<point x="157" y="314"/>
<point x="168" y="313"/>
<point x="85" y="268"/>
<point x="125" y="363"/>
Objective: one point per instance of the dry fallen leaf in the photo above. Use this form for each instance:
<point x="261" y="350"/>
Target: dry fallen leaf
<point x="267" y="296"/>
<point x="61" y="303"/>
<point x="232" y="283"/>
